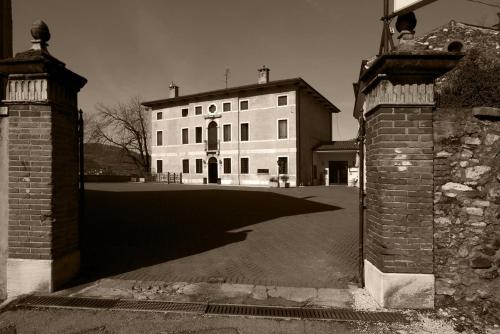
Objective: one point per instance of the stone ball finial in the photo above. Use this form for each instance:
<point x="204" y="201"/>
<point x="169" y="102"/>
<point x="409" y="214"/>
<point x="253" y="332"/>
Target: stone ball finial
<point x="406" y="22"/>
<point x="40" y="31"/>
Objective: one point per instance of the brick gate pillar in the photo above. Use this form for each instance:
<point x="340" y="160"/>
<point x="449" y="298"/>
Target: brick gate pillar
<point x="41" y="106"/>
<point x="399" y="101"/>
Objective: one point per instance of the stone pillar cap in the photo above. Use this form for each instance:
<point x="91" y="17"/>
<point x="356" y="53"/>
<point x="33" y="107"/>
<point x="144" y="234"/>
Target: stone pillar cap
<point x="38" y="61"/>
<point x="411" y="66"/>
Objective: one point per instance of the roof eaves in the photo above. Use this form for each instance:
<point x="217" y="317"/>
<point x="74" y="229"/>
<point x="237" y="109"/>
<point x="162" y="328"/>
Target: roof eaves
<point x="294" y="81"/>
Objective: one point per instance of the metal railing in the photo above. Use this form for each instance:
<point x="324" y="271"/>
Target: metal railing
<point x="212" y="147"/>
<point x="165" y="177"/>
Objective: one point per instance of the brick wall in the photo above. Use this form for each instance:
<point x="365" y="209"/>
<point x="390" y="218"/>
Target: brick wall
<point x="399" y="188"/>
<point x="30" y="182"/>
<point x="43" y="181"/>
<point x="65" y="180"/>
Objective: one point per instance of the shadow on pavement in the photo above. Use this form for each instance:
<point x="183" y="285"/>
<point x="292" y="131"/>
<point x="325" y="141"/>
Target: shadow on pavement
<point x="123" y="231"/>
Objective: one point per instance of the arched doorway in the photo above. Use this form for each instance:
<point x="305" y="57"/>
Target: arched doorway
<point x="213" y="170"/>
<point x="212" y="136"/>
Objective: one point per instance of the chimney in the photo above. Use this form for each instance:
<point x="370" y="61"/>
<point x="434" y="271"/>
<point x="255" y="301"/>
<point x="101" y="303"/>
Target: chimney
<point x="263" y="75"/>
<point x="173" y="90"/>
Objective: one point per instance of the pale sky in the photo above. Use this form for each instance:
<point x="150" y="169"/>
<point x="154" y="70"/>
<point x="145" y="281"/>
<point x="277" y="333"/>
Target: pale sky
<point x="137" y="47"/>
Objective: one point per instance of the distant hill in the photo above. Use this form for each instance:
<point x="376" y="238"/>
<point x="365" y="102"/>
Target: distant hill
<point x="107" y="160"/>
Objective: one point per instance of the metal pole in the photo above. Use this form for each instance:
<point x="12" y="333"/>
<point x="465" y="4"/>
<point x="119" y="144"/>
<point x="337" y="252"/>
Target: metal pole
<point x="361" y="148"/>
<point x="81" y="168"/>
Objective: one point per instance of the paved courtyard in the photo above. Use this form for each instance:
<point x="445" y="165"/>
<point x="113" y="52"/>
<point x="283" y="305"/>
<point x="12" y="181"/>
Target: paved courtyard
<point x="298" y="237"/>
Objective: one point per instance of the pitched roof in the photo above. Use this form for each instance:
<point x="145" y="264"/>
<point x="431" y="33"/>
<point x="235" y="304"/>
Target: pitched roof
<point x="298" y="82"/>
<point x="343" y="145"/>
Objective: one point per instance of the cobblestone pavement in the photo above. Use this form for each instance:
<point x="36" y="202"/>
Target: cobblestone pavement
<point x="302" y="237"/>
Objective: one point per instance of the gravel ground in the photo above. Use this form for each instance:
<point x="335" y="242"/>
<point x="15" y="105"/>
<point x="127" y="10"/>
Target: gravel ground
<point x="72" y="321"/>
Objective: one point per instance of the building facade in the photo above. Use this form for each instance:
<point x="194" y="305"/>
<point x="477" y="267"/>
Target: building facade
<point x="338" y="163"/>
<point x="258" y="134"/>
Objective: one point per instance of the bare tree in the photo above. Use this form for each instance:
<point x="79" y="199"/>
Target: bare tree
<point x="89" y="128"/>
<point x="125" y="125"/>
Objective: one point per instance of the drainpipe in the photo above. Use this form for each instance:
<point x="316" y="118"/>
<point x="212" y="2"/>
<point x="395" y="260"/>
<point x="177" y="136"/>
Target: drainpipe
<point x="238" y="127"/>
<point x="361" y="148"/>
<point x="298" y="172"/>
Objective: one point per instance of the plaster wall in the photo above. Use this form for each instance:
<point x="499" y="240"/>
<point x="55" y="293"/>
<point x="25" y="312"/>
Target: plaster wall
<point x="315" y="128"/>
<point x="262" y="149"/>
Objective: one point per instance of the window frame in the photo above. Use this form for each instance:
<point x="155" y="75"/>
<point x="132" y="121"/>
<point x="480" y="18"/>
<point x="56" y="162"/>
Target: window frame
<point x="230" y="106"/>
<point x="182" y="136"/>
<point x="278" y="100"/>
<point x="248" y="105"/>
<point x="248" y="166"/>
<point x="287" y="163"/>
<point x="278" y="128"/>
<point x="201" y="109"/>
<point x="248" y="132"/>
<point x="159" y="162"/>
<point x="201" y="166"/>
<point x="159" y="115"/>
<point x="224" y="133"/>
<point x="224" y="165"/>
<point x="196" y="135"/>
<point x="187" y="112"/>
<point x="185" y="167"/>
<point x="159" y="132"/>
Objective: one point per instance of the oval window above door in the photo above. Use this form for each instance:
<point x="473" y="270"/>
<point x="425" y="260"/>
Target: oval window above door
<point x="212" y="108"/>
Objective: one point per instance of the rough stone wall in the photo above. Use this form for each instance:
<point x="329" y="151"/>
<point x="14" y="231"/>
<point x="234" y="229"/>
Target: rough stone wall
<point x="30" y="182"/>
<point x="484" y="38"/>
<point x="466" y="209"/>
<point x="399" y="188"/>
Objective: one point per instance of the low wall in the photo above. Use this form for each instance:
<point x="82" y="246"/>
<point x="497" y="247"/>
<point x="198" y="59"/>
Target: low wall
<point x="107" y="178"/>
<point x="466" y="207"/>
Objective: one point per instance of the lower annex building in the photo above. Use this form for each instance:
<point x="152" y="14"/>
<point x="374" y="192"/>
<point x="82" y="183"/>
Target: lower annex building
<point x="249" y="135"/>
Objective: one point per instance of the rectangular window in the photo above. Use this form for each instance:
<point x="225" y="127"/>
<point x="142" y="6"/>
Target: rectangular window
<point x="185" y="112"/>
<point x="198" y="133"/>
<point x="282" y="129"/>
<point x="227" y="165"/>
<point x="227" y="132"/>
<point x="159" y="166"/>
<point x="185" y="136"/>
<point x="226" y="106"/>
<point x="244" y="166"/>
<point x="244" y="132"/>
<point x="197" y="110"/>
<point x="243" y="105"/>
<point x="282" y="100"/>
<point x="199" y="166"/>
<point x="263" y="171"/>
<point x="283" y="165"/>
<point x="159" y="138"/>
<point x="185" y="166"/>
<point x="159" y="115"/>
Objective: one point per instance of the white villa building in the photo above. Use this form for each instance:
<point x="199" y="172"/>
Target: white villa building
<point x="245" y="135"/>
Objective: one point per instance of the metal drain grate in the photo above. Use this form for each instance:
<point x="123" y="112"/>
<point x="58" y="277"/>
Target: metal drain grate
<point x="213" y="309"/>
<point x="160" y="306"/>
<point x="56" y="301"/>
<point x="304" y="313"/>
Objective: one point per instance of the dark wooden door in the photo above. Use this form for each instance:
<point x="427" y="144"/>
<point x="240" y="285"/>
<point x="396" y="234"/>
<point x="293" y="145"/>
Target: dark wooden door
<point x="338" y="172"/>
<point x="213" y="170"/>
